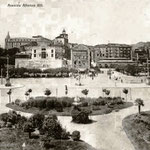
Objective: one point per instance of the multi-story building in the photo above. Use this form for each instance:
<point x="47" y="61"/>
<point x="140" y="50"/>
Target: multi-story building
<point x="141" y="54"/>
<point x="16" y="42"/>
<point x="41" y="53"/>
<point x="80" y="57"/>
<point x="41" y="56"/>
<point x="110" y="54"/>
<point x="62" y="39"/>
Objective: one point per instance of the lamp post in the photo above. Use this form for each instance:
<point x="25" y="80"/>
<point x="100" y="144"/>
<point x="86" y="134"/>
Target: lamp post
<point x="1" y="75"/>
<point x="7" y="74"/>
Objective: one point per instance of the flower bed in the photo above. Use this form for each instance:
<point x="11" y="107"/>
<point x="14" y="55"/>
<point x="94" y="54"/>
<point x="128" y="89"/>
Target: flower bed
<point x="63" y="105"/>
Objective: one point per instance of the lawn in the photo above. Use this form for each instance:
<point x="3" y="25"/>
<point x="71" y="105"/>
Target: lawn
<point x="137" y="128"/>
<point x="11" y="139"/>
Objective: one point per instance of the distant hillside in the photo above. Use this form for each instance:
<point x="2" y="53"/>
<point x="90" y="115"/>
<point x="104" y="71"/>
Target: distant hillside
<point x="140" y="45"/>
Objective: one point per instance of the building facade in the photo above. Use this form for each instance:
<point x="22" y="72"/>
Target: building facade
<point x="111" y="54"/>
<point x="41" y="56"/>
<point x="62" y="39"/>
<point x="80" y="57"/>
<point x="16" y="42"/>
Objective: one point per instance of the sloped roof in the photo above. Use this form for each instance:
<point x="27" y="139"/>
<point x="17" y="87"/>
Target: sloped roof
<point x="80" y="47"/>
<point x="111" y="45"/>
<point x="32" y="43"/>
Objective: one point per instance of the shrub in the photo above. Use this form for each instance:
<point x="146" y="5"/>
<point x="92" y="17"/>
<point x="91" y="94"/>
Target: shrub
<point x="107" y="111"/>
<point x="9" y="125"/>
<point x="66" y="102"/>
<point x="21" y="122"/>
<point x="84" y="104"/>
<point x="58" y="106"/>
<point x="41" y="103"/>
<point x="75" y="135"/>
<point x="80" y="116"/>
<point x="96" y="108"/>
<point x="12" y="117"/>
<point x="4" y="117"/>
<point x="65" y="135"/>
<point x="50" y="102"/>
<point x="2" y="124"/>
<point x="46" y="142"/>
<point x="17" y="102"/>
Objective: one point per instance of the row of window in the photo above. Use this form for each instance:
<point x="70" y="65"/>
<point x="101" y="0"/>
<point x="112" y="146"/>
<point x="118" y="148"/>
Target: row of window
<point x="79" y="63"/>
<point x="20" y="40"/>
<point x="118" y="48"/>
<point x="119" y="54"/>
<point x="43" y="53"/>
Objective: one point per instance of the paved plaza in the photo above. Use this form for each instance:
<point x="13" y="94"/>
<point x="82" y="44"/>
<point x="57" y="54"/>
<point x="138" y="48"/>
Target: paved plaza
<point x="106" y="133"/>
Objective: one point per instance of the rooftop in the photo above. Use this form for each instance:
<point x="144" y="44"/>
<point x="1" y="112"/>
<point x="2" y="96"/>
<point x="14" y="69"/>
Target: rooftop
<point x="80" y="47"/>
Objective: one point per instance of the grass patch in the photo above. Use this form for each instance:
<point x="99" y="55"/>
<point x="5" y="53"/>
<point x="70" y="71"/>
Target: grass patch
<point x="137" y="128"/>
<point x="11" y="139"/>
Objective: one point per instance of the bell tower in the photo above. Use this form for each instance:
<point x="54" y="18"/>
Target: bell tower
<point x="7" y="40"/>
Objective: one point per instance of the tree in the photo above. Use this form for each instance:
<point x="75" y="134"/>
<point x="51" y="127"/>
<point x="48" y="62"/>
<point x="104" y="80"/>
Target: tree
<point x="26" y="94"/>
<point x="125" y="91"/>
<point x="28" y="127"/>
<point x="139" y="102"/>
<point x="52" y="127"/>
<point x="37" y="120"/>
<point x="85" y="92"/>
<point x="75" y="135"/>
<point x="107" y="92"/>
<point x="47" y="92"/>
<point x="9" y="94"/>
<point x="29" y="91"/>
<point x="104" y="91"/>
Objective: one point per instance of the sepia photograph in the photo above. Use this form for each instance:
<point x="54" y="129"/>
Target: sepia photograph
<point x="75" y="75"/>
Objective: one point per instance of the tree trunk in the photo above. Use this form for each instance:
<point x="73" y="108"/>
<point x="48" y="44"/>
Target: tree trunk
<point x="126" y="97"/>
<point x="9" y="98"/>
<point x="29" y="135"/>
<point x="139" y="109"/>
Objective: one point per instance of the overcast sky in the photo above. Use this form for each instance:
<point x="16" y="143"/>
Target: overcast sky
<point x="86" y="21"/>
